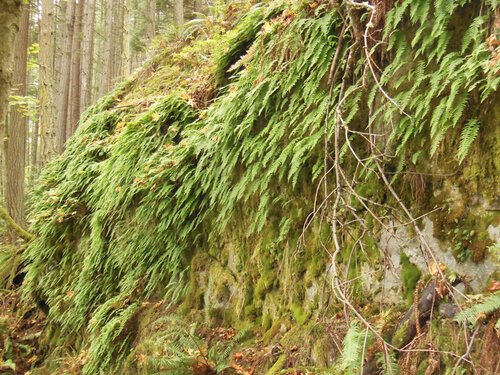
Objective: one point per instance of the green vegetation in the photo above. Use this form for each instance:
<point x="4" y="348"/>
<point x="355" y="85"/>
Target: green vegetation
<point x="161" y="195"/>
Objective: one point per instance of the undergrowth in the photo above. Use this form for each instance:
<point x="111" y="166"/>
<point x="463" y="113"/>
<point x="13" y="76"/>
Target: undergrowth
<point x="141" y="187"/>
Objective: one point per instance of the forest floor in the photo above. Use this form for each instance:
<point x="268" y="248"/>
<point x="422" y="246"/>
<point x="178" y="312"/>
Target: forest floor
<point x="20" y="329"/>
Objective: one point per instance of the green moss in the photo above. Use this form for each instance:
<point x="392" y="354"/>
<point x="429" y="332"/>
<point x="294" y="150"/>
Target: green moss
<point x="267" y="321"/>
<point x="367" y="189"/>
<point x="265" y="284"/>
<point x="278" y="365"/>
<point x="271" y="333"/>
<point x="250" y="311"/>
<point x="193" y="299"/>
<point x="299" y="314"/>
<point x="399" y="337"/>
<point x="315" y="268"/>
<point x="322" y="351"/>
<point x="410" y="275"/>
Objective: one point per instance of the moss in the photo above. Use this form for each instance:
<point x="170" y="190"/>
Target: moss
<point x="371" y="248"/>
<point x="315" y="268"/>
<point x="264" y="285"/>
<point x="278" y="365"/>
<point x="367" y="189"/>
<point x="250" y="311"/>
<point x="267" y="321"/>
<point x="271" y="333"/>
<point x="398" y="339"/>
<point x="410" y="274"/>
<point x="193" y="299"/>
<point x="322" y="351"/>
<point x="422" y="367"/>
<point x="299" y="314"/>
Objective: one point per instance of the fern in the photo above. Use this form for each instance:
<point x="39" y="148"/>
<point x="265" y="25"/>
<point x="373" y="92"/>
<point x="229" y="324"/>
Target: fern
<point x="140" y="187"/>
<point x="388" y="363"/>
<point x="352" y="348"/>
<point x="469" y="134"/>
<point x="488" y="305"/>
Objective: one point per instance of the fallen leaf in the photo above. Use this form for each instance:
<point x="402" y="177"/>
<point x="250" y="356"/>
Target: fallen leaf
<point x="495" y="286"/>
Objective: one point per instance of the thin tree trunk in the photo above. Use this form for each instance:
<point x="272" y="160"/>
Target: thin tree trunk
<point x="34" y="128"/>
<point x="10" y="11"/>
<point x="108" y="47"/>
<point x="34" y="150"/>
<point x="99" y="66"/>
<point x="199" y="6"/>
<point x="76" y="78"/>
<point x="127" y="57"/>
<point x="179" y="12"/>
<point x="15" y="159"/>
<point x="60" y="21"/>
<point x="87" y="53"/>
<point x="151" y="19"/>
<point x="64" y="87"/>
<point x="46" y="95"/>
<point x="118" y="31"/>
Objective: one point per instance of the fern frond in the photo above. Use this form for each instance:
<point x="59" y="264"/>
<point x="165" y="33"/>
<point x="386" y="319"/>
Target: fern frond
<point x="469" y="134"/>
<point x="489" y="305"/>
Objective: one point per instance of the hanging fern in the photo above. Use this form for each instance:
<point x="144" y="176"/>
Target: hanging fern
<point x="388" y="363"/>
<point x="469" y="134"/>
<point x="139" y="189"/>
<point x="471" y="315"/>
<point x="352" y="349"/>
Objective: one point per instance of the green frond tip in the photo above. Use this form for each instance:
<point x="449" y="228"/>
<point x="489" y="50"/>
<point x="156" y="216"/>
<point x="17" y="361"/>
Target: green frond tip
<point x="469" y="134"/>
<point x="352" y="349"/>
<point x="471" y="315"/>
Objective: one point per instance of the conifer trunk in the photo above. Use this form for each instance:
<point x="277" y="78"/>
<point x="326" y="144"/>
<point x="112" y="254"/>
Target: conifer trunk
<point x="76" y="78"/>
<point x="87" y="53"/>
<point x="10" y="11"/>
<point x="15" y="143"/>
<point x="179" y="12"/>
<point x="65" y="76"/>
<point x="199" y="6"/>
<point x="46" y="94"/>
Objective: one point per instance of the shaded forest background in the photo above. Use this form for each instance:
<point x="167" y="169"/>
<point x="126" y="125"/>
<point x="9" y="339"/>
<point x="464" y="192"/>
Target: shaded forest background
<point x="67" y="54"/>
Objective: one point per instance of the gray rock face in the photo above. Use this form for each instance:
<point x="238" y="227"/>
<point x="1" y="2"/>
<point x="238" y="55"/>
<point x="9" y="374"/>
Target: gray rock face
<point x="397" y="239"/>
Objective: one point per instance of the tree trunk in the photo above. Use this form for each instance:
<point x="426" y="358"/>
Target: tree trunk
<point x="99" y="66"/>
<point x="46" y="95"/>
<point x="34" y="126"/>
<point x="126" y="55"/>
<point x="179" y="12"/>
<point x="108" y="47"/>
<point x="76" y="78"/>
<point x="64" y="82"/>
<point x="118" y="31"/>
<point x="15" y="143"/>
<point x="199" y="6"/>
<point x="34" y="151"/>
<point x="87" y="53"/>
<point x="151" y="19"/>
<point x="10" y="11"/>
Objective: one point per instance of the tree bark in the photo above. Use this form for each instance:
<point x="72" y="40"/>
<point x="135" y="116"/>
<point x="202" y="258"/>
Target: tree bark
<point x="15" y="143"/>
<point x="199" y="6"/>
<point x="151" y="19"/>
<point x="126" y="52"/>
<point x="109" y="40"/>
<point x="46" y="88"/>
<point x="65" y="76"/>
<point x="87" y="54"/>
<point x="179" y="12"/>
<point x="76" y="78"/>
<point x="10" y="11"/>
